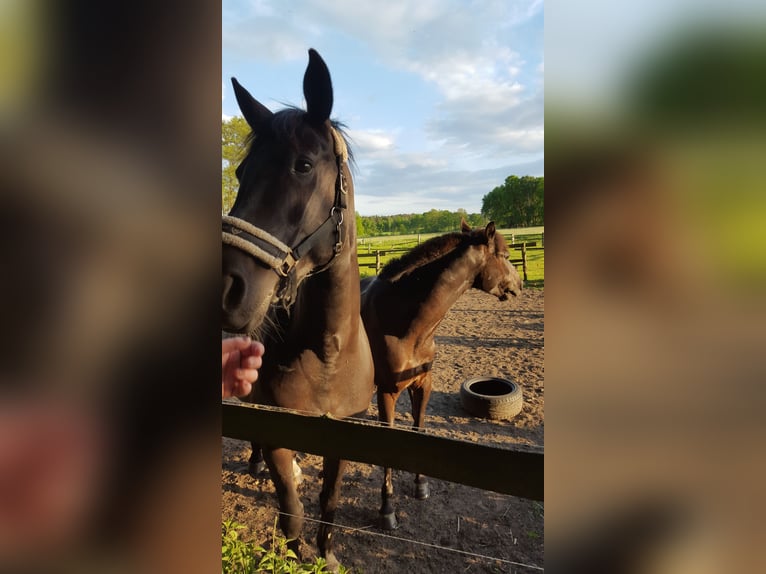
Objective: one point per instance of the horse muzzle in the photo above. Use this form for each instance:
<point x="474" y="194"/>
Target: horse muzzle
<point x="247" y="292"/>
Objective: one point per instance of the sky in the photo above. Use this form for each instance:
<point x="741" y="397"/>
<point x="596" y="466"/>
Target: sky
<point x="442" y="99"/>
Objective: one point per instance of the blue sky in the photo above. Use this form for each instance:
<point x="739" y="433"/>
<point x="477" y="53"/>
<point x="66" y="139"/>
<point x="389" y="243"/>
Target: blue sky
<point x="443" y="99"/>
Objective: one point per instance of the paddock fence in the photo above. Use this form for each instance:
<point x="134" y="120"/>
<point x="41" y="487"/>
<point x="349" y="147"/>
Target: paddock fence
<point x="514" y="471"/>
<point x="375" y="257"/>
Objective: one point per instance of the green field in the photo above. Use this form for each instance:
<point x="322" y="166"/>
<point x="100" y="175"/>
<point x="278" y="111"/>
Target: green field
<point x="391" y="247"/>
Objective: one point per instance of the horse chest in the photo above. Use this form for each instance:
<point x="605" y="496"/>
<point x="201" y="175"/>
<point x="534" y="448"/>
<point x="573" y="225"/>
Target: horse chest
<point x="405" y="353"/>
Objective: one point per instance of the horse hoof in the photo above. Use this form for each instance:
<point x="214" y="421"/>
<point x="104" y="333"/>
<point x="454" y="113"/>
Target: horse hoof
<point x="332" y="562"/>
<point x="256" y="468"/>
<point x="388" y="521"/>
<point x="422" y="491"/>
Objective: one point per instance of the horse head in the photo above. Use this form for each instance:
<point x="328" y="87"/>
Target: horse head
<point x="498" y="276"/>
<point x="294" y="188"/>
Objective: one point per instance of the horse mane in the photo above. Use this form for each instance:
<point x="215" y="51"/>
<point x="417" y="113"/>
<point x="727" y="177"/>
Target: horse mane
<point x="284" y="124"/>
<point x="425" y="253"/>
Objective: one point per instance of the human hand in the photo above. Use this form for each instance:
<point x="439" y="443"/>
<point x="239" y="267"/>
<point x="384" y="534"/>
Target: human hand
<point x="240" y="360"/>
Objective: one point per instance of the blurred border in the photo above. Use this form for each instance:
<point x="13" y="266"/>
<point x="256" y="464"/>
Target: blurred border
<point x="110" y="135"/>
<point x="655" y="117"/>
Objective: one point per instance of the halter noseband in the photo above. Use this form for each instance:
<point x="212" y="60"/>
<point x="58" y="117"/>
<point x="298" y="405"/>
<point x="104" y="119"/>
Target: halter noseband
<point x="270" y="250"/>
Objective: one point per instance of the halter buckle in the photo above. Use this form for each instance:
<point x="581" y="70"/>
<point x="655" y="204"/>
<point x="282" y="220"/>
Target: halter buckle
<point x="287" y="265"/>
<point x="343" y="189"/>
<point x="337" y="214"/>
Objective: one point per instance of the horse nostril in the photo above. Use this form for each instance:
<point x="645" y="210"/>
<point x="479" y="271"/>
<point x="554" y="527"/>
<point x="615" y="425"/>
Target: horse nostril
<point x="233" y="292"/>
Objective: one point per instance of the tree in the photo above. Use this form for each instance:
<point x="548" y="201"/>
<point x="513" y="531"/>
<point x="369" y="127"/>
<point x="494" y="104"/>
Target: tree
<point x="516" y="203"/>
<point x="433" y="221"/>
<point x="359" y="225"/>
<point x="539" y="212"/>
<point x="233" y="135"/>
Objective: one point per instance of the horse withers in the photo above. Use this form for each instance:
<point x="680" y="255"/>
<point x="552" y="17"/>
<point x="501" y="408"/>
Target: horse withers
<point x="290" y="278"/>
<point x="403" y="306"/>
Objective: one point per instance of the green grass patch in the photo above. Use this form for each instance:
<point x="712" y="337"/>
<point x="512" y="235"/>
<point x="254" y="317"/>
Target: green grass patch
<point x="240" y="557"/>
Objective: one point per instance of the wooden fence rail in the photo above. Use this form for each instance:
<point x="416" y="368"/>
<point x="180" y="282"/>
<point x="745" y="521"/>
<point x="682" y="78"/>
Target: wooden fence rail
<point x="516" y="471"/>
<point x="380" y="253"/>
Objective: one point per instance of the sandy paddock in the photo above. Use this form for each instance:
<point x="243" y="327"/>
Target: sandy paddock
<point x="479" y="336"/>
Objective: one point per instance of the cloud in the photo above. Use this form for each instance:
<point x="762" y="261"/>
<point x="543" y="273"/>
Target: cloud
<point x="413" y="183"/>
<point x="370" y="142"/>
<point x="423" y="31"/>
<point x="263" y="30"/>
<point x="490" y="95"/>
<point x="486" y="126"/>
<point x="483" y="67"/>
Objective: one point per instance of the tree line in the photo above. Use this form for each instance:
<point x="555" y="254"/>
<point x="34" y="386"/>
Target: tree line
<point x="518" y="202"/>
<point x="433" y="221"/>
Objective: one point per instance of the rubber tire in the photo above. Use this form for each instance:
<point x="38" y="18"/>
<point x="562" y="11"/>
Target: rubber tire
<point x="501" y="406"/>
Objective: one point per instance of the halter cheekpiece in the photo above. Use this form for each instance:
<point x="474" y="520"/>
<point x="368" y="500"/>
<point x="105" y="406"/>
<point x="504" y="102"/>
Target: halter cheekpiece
<point x="273" y="252"/>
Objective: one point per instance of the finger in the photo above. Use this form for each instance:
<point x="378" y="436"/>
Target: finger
<point x="242" y="389"/>
<point x="254" y="349"/>
<point x="235" y="344"/>
<point x="246" y="375"/>
<point x="230" y="366"/>
<point x="251" y="363"/>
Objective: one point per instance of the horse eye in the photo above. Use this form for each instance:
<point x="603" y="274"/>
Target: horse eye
<point x="302" y="166"/>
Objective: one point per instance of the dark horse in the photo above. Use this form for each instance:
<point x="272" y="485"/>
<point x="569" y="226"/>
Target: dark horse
<point x="290" y="278"/>
<point x="403" y="306"/>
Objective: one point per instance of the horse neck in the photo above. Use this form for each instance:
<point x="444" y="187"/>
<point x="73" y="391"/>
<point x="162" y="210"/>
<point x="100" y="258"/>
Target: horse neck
<point x="332" y="296"/>
<point x="341" y="299"/>
<point x="440" y="290"/>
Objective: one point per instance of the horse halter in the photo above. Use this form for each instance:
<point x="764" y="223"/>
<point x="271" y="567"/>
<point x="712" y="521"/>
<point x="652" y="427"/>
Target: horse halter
<point x="273" y="252"/>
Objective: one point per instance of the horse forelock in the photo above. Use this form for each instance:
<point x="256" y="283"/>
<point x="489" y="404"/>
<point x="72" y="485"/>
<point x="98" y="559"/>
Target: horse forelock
<point x="283" y="127"/>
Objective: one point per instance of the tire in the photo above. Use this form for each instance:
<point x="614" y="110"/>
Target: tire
<point x="491" y="397"/>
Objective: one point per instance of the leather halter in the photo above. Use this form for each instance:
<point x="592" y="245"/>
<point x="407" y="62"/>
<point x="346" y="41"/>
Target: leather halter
<point x="276" y="254"/>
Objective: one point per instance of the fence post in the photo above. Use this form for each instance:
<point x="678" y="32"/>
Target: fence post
<point x="524" y="258"/>
<point x="377" y="262"/>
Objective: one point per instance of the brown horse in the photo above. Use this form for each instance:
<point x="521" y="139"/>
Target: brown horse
<point x="290" y="278"/>
<point x="403" y="306"/>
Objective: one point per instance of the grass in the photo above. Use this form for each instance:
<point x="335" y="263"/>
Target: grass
<point x="391" y="247"/>
<point x="240" y="557"/>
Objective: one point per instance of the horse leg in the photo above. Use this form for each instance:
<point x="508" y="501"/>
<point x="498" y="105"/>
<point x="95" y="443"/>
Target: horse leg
<point x="386" y="410"/>
<point x="280" y="462"/>
<point x="419" y="395"/>
<point x="328" y="502"/>
<point x="256" y="465"/>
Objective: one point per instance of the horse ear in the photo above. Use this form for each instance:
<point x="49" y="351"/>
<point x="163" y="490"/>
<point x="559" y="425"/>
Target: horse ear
<point x="464" y="227"/>
<point x="317" y="89"/>
<point x="253" y="110"/>
<point x="490" y="230"/>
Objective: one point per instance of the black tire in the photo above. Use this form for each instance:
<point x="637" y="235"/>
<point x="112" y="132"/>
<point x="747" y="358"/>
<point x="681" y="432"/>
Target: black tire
<point x="491" y="397"/>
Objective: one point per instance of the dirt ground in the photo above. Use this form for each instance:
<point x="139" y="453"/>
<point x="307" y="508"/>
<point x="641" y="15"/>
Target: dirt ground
<point x="479" y="336"/>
